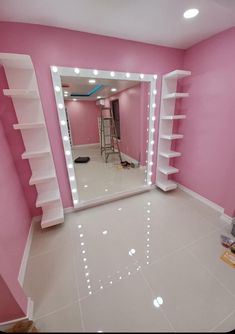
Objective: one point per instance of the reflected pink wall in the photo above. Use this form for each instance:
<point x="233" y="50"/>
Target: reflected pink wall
<point x="83" y="117"/>
<point x="208" y="148"/>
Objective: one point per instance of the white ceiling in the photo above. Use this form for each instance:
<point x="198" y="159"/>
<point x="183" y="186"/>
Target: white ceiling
<point x="82" y="86"/>
<point x="150" y="21"/>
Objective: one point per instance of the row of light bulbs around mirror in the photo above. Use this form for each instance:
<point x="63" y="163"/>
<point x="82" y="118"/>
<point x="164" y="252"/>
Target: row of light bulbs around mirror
<point x="96" y="72"/>
<point x="66" y="136"/>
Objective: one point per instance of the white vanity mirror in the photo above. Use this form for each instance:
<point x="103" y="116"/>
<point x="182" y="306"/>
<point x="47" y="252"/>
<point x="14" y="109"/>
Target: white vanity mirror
<point x="107" y="127"/>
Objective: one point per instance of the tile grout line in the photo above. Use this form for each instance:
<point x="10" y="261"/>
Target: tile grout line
<point x="221" y="322"/>
<point x="153" y="293"/>
<point x="55" y="311"/>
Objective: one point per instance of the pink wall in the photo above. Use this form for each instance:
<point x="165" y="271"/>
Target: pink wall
<point x="53" y="46"/>
<point x="130" y="116"/>
<point x="83" y="116"/>
<point x="208" y="148"/>
<point x="14" y="227"/>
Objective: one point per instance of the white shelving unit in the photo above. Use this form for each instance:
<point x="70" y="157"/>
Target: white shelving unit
<point x="23" y="90"/>
<point x="167" y="117"/>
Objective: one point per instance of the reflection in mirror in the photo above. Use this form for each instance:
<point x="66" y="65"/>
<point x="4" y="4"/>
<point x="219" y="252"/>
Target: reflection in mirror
<point x="108" y="144"/>
<point x="107" y="136"/>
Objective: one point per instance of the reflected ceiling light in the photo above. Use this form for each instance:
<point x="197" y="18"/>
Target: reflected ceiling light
<point x="86" y="267"/>
<point x="190" y="13"/>
<point x="128" y="75"/>
<point x="111" y="282"/>
<point x="95" y="72"/>
<point x="150" y="173"/>
<point x="76" y="70"/>
<point x="101" y="287"/>
<point x="132" y="252"/>
<point x="54" y="69"/>
<point x="88" y="286"/>
<point x="82" y="243"/>
<point x="81" y="235"/>
<point x="129" y="273"/>
<point x="112" y="74"/>
<point x="120" y="277"/>
<point x="85" y="185"/>
<point x="157" y="302"/>
<point x="113" y="89"/>
<point x="57" y="88"/>
<point x="119" y="209"/>
<point x="105" y="232"/>
<point x="83" y="252"/>
<point x="90" y="292"/>
<point x="106" y="190"/>
<point x="79" y="226"/>
<point x="149" y="203"/>
<point x="84" y="259"/>
<point x="91" y="81"/>
<point x="74" y="99"/>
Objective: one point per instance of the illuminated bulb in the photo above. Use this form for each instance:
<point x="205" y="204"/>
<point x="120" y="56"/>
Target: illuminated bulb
<point x="84" y="259"/>
<point x="81" y="235"/>
<point x="85" y="186"/>
<point x="154" y="105"/>
<point x="155" y="92"/>
<point x="83" y="252"/>
<point x="132" y="252"/>
<point x="155" y="76"/>
<point x="147" y="262"/>
<point x="147" y="245"/>
<point x="75" y="201"/>
<point x="147" y="250"/>
<point x="72" y="178"/>
<point x="60" y="106"/>
<point x="92" y="81"/>
<point x="82" y="243"/>
<point x="106" y="190"/>
<point x="152" y="130"/>
<point x="152" y="142"/>
<point x="111" y="282"/>
<point x="128" y="75"/>
<point x="74" y="190"/>
<point x="148" y="211"/>
<point x="66" y="138"/>
<point x="62" y="122"/>
<point x="147" y="239"/>
<point x="57" y="88"/>
<point x="153" y="118"/>
<point x="190" y="13"/>
<point x="88" y="281"/>
<point x="152" y="153"/>
<point x="95" y="72"/>
<point x="113" y="89"/>
<point x="89" y="286"/>
<point x="150" y="182"/>
<point x="147" y="256"/>
<point x="86" y="267"/>
<point x="119" y="209"/>
<point x="90" y="292"/>
<point x="112" y="74"/>
<point x="120" y="277"/>
<point x="149" y="203"/>
<point x="141" y="76"/>
<point x="70" y="166"/>
<point x="76" y="70"/>
<point x="79" y="226"/>
<point x="151" y="163"/>
<point x="98" y="97"/>
<point x="148" y="226"/>
<point x="105" y="232"/>
<point x="101" y="287"/>
<point x="87" y="274"/>
<point x="74" y="99"/>
<point x="150" y="173"/>
<point x="65" y="92"/>
<point x="129" y="273"/>
<point x="67" y="152"/>
<point x="54" y="69"/>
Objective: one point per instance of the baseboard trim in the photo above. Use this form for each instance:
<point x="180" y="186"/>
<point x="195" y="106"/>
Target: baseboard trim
<point x="227" y="219"/>
<point x="201" y="198"/>
<point x="25" y="256"/>
<point x="4" y="325"/>
<point x="68" y="210"/>
<point x="85" y="145"/>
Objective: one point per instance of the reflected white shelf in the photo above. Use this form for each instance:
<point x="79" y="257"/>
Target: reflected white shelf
<point x="41" y="177"/>
<point x="167" y="170"/>
<point x="25" y="126"/>
<point x="175" y="96"/>
<point x="177" y="74"/>
<point x="17" y="61"/>
<point x="169" y="117"/>
<point x="167" y="185"/>
<point x="170" y="137"/>
<point x="21" y="93"/>
<point x="35" y="154"/>
<point x="170" y="154"/>
<point x="52" y="216"/>
<point x="47" y="197"/>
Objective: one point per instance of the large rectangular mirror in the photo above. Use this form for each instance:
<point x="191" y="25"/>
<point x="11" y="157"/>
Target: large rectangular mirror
<point x="107" y="126"/>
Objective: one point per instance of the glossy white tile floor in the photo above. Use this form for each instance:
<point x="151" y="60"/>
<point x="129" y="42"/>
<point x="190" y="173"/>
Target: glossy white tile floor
<point x="147" y="263"/>
<point x="99" y="179"/>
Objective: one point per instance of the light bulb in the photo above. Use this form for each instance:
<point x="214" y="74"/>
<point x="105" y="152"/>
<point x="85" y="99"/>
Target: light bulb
<point x="76" y="70"/>
<point x="66" y="138"/>
<point x="112" y="74"/>
<point x="67" y="152"/>
<point x="54" y="69"/>
<point x="70" y="166"/>
<point x="141" y="76"/>
<point x="155" y="92"/>
<point x="128" y="75"/>
<point x="190" y="13"/>
<point x="62" y="122"/>
<point x="72" y="178"/>
<point x="153" y="118"/>
<point x="95" y="72"/>
<point x="155" y="76"/>
<point x="152" y="130"/>
<point x="60" y="106"/>
<point x="75" y="201"/>
<point x="57" y="88"/>
<point x="154" y="105"/>
<point x="74" y="190"/>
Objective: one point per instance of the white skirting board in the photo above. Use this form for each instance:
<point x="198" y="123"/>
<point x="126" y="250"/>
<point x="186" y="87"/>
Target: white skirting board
<point x="206" y="201"/>
<point x="29" y="316"/>
<point x="25" y="256"/>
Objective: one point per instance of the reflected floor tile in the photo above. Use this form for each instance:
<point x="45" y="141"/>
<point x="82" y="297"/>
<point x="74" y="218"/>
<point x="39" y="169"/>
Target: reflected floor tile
<point x="208" y="251"/>
<point x="50" y="280"/>
<point x="67" y="320"/>
<point x="124" y="307"/>
<point x="193" y="299"/>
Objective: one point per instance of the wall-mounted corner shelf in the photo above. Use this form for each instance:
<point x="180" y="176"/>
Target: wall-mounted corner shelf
<point x="21" y="93"/>
<point x="23" y="89"/>
<point x="175" y="96"/>
<point x="167" y="112"/>
<point x="28" y="126"/>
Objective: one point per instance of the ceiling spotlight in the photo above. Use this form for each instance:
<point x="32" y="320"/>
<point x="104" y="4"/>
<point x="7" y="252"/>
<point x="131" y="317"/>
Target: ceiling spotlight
<point x="113" y="89"/>
<point x="190" y="13"/>
<point x="92" y="81"/>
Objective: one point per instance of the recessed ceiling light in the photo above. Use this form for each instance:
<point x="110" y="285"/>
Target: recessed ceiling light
<point x="92" y="81"/>
<point x="190" y="13"/>
<point x="113" y="89"/>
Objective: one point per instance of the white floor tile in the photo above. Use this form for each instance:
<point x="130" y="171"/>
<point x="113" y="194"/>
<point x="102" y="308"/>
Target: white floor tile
<point x="228" y="325"/>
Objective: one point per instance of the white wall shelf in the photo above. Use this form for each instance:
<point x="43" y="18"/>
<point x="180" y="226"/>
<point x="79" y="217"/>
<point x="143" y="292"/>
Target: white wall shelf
<point x="27" y="126"/>
<point x="174" y="117"/>
<point x="168" y="170"/>
<point x="175" y="96"/>
<point x="166" y="136"/>
<point x="23" y="89"/>
<point x="21" y="93"/>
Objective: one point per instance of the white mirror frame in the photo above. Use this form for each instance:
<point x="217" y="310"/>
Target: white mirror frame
<point x="58" y="71"/>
